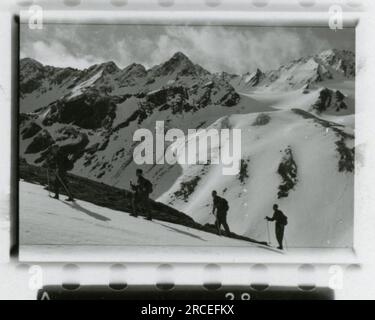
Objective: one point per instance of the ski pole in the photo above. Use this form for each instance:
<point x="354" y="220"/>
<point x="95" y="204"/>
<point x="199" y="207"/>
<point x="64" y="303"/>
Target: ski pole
<point x="268" y="233"/>
<point x="49" y="192"/>
<point x="286" y="243"/>
<point x="65" y="187"/>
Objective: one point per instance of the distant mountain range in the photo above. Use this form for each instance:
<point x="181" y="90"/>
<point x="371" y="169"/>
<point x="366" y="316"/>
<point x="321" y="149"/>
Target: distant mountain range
<point x="303" y="72"/>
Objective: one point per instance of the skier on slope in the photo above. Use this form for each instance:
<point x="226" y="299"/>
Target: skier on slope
<point x="221" y="206"/>
<point x="59" y="162"/>
<point x="281" y="221"/>
<point x="141" y="196"/>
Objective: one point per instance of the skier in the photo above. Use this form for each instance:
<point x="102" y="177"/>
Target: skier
<point x="221" y="206"/>
<point x="59" y="162"/>
<point x="141" y="196"/>
<point x="281" y="221"/>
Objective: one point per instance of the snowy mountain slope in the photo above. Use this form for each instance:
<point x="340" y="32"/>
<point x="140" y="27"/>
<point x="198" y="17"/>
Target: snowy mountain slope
<point x="119" y="200"/>
<point x="109" y="154"/>
<point x="322" y="84"/>
<point x="318" y="201"/>
<point x="324" y="101"/>
<point x="97" y="110"/>
<point x="194" y="99"/>
<point x="46" y="221"/>
<point x="246" y="81"/>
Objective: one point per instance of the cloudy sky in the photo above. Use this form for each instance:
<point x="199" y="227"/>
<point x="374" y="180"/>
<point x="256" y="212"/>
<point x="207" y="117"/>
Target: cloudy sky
<point x="231" y="49"/>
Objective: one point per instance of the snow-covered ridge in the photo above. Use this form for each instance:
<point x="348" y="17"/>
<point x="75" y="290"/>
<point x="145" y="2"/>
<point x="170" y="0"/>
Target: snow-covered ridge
<point x="299" y="73"/>
<point x="50" y="82"/>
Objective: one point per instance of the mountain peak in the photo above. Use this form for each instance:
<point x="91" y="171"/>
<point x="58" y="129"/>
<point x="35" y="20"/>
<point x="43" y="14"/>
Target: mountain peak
<point x="30" y="62"/>
<point x="132" y="71"/>
<point x="254" y="78"/>
<point x="336" y="53"/>
<point x="180" y="65"/>
<point x="105" y="68"/>
<point x="329" y="51"/>
<point x="180" y="56"/>
<point x="109" y="67"/>
<point x="340" y="60"/>
<point x="134" y="66"/>
<point x="178" y="60"/>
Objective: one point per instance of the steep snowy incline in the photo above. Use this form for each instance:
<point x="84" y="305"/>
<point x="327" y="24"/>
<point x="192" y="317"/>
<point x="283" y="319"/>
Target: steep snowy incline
<point x="108" y="154"/>
<point x="46" y="221"/>
<point x="330" y="100"/>
<point x="292" y="158"/>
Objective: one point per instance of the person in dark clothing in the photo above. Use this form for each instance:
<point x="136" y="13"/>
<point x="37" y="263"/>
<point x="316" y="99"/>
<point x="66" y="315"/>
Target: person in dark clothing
<point x="281" y="221"/>
<point x="59" y="162"/>
<point x="221" y="207"/>
<point x="141" y="197"/>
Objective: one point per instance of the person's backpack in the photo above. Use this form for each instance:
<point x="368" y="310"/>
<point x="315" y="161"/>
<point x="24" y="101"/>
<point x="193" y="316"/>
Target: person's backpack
<point x="283" y="219"/>
<point x="223" y="203"/>
<point x="148" y="186"/>
<point x="67" y="163"/>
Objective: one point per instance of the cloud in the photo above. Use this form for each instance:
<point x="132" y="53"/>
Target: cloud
<point x="232" y="49"/>
<point x="56" y="54"/>
<point x="235" y="50"/>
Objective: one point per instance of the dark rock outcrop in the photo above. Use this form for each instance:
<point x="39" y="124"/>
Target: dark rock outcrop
<point x="30" y="130"/>
<point x="89" y="111"/>
<point x="288" y="171"/>
<point x="329" y="100"/>
<point x="40" y="142"/>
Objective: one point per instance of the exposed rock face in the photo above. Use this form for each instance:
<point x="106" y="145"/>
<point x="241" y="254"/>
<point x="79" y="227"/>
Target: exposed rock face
<point x="187" y="188"/>
<point x="244" y="170"/>
<point x="30" y="130"/>
<point x="255" y="78"/>
<point x="162" y="96"/>
<point x="329" y="100"/>
<point x="41" y="142"/>
<point x="347" y="154"/>
<point x="262" y="119"/>
<point x="86" y="111"/>
<point x="288" y="172"/>
<point x="31" y="75"/>
<point x="342" y="61"/>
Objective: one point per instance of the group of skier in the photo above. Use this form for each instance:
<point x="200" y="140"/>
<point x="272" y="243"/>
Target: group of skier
<point x="220" y="210"/>
<point x="59" y="163"/>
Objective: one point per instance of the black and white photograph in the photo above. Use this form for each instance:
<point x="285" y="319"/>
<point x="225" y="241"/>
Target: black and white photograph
<point x="186" y="136"/>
